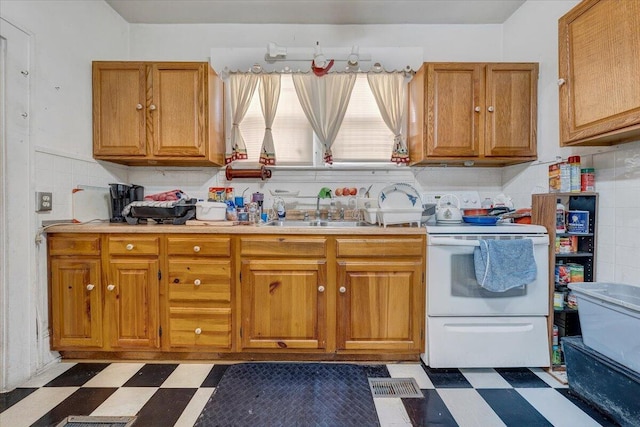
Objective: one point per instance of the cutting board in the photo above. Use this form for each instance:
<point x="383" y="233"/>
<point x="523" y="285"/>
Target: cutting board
<point x="197" y="222"/>
<point x="90" y="203"/>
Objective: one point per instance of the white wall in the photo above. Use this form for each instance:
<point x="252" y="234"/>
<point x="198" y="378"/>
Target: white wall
<point x="65" y="36"/>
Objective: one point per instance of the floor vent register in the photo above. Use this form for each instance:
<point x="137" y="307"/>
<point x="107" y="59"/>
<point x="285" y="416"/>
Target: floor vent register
<point x="395" y="387"/>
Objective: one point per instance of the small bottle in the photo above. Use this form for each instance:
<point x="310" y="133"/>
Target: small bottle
<point x="556" y="356"/>
<point x="561" y="226"/>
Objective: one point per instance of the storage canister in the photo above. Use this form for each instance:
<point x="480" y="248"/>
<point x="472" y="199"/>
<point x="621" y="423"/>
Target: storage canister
<point x="588" y="179"/>
<point x="574" y="168"/>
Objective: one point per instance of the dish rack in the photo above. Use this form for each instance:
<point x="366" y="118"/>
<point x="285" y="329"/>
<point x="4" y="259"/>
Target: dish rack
<point x="400" y="216"/>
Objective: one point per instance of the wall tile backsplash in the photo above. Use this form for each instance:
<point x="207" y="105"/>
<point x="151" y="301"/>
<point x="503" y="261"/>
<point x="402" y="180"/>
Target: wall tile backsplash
<point x="617" y="182"/>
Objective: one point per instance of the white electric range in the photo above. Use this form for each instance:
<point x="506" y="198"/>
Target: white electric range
<point x="469" y="326"/>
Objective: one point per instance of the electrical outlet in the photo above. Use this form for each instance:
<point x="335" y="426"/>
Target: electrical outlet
<point x="44" y="201"/>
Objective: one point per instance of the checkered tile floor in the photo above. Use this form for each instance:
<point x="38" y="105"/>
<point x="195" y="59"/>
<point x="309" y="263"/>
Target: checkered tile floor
<point x="175" y="394"/>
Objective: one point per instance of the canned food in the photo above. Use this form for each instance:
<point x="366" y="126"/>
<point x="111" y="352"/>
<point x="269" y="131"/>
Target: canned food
<point x="588" y="179"/>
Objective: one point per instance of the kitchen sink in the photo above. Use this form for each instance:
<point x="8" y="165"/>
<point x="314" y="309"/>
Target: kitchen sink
<point x="317" y="223"/>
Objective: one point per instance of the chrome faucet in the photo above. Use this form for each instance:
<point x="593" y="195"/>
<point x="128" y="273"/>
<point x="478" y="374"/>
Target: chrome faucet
<point x="323" y="194"/>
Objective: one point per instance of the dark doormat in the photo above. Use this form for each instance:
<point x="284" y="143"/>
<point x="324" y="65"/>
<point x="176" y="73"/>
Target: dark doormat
<point x="291" y="394"/>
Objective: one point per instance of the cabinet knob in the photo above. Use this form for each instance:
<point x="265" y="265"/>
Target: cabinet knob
<point x="561" y="82"/>
<point x="320" y="288"/>
<point x="111" y="287"/>
<point x="196" y="249"/>
<point x="342" y="289"/>
<point x="139" y="107"/>
<point x="90" y="287"/>
<point x="477" y="109"/>
<point x="152" y="107"/>
<point x="490" y="108"/>
<point x="198" y="331"/>
<point x="129" y="247"/>
<point x="197" y="282"/>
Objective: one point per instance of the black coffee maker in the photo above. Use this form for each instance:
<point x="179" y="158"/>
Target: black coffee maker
<point x="121" y="196"/>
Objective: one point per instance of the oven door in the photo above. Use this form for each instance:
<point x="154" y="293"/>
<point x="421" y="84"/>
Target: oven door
<point x="452" y="289"/>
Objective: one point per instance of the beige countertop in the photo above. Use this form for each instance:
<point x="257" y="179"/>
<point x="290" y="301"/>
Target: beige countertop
<point x="229" y="228"/>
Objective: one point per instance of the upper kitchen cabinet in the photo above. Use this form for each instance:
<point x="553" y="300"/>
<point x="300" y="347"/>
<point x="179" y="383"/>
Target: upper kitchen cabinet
<point x="157" y="113"/>
<point x="599" y="62"/>
<point x="473" y="114"/>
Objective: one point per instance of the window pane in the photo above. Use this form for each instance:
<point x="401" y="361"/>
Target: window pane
<point x="292" y="133"/>
<point x="363" y="136"/>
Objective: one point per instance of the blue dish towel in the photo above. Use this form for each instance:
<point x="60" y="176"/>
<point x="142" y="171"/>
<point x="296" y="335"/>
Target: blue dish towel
<point x="504" y="264"/>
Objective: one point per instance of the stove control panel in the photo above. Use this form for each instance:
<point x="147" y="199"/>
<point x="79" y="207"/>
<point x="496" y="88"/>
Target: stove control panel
<point x="468" y="199"/>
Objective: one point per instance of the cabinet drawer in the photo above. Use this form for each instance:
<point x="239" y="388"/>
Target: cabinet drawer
<point x="201" y="327"/>
<point x="199" y="246"/>
<point x="136" y="245"/>
<point x="76" y="244"/>
<point x="206" y="280"/>
<point x="380" y="247"/>
<point x="283" y="246"/>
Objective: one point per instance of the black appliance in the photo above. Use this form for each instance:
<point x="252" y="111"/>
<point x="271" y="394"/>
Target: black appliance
<point x="176" y="212"/>
<point x="121" y="195"/>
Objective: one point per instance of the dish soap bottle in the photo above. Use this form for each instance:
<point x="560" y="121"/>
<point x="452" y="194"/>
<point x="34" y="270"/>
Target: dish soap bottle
<point x="560" y="218"/>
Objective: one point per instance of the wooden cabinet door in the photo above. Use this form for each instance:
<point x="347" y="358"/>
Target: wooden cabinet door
<point x="599" y="62"/>
<point x="283" y="304"/>
<point x="131" y="295"/>
<point x="453" y="112"/>
<point x="76" y="303"/>
<point x="179" y="109"/>
<point x="380" y="304"/>
<point x="119" y="109"/>
<point x="511" y="110"/>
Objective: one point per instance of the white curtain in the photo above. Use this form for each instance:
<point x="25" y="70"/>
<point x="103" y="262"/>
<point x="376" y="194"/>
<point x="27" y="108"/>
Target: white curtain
<point x="324" y="101"/>
<point x="390" y="93"/>
<point x="241" y="89"/>
<point x="269" y="95"/>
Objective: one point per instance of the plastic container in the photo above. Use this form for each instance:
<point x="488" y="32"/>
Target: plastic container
<point x="211" y="211"/>
<point x="610" y="319"/>
<point x="588" y="179"/>
<point x="607" y="385"/>
<point x="560" y="218"/>
<point x="574" y="166"/>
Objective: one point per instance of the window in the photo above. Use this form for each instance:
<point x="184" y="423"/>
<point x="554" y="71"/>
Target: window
<point x="292" y="133"/>
<point x="363" y="137"/>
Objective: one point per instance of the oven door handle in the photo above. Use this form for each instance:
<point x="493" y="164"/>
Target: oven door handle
<point x="450" y="241"/>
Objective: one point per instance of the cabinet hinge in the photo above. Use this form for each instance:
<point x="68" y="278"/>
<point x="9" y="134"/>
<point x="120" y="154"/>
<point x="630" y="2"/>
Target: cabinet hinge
<point x="240" y="332"/>
<point x="241" y="277"/>
<point x="159" y="275"/>
<point x="160" y="331"/>
<point x="423" y="277"/>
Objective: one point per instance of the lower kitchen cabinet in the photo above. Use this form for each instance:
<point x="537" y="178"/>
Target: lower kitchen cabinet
<point x="379" y="305"/>
<point x="131" y="303"/>
<point x="77" y="312"/>
<point x="182" y="295"/>
<point x="283" y="284"/>
<point x="76" y="293"/>
<point x="283" y="304"/>
<point x="198" y="314"/>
